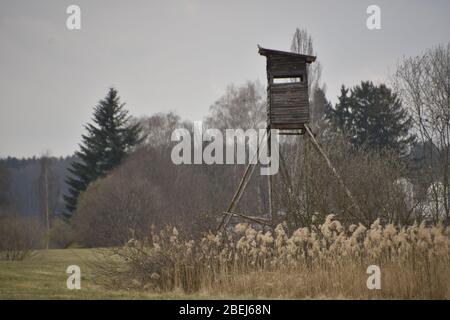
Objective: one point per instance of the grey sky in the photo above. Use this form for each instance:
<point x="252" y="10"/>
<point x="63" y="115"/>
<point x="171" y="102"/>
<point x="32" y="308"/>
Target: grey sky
<point x="180" y="55"/>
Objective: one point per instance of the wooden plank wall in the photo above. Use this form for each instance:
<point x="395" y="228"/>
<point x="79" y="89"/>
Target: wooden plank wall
<point x="288" y="102"/>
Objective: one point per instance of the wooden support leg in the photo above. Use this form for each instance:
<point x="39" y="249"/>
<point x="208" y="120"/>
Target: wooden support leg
<point x="240" y="190"/>
<point x="333" y="169"/>
<point x="269" y="180"/>
<point x="226" y="217"/>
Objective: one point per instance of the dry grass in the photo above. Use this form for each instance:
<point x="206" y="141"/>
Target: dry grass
<point x="324" y="261"/>
<point x="42" y="275"/>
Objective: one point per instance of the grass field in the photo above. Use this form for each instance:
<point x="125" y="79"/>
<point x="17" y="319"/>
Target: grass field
<point x="42" y="275"/>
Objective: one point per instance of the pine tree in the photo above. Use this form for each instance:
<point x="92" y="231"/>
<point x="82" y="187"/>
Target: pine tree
<point x="339" y="116"/>
<point x="103" y="147"/>
<point x="372" y="117"/>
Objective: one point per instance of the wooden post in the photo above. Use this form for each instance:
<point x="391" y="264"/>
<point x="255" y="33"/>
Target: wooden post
<point x="307" y="176"/>
<point x="269" y="180"/>
<point x="226" y="218"/>
<point x="241" y="188"/>
<point x="333" y="169"/>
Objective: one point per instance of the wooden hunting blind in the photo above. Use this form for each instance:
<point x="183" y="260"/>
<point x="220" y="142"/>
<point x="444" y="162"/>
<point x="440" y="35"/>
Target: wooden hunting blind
<point x="287" y="111"/>
<point x="287" y="90"/>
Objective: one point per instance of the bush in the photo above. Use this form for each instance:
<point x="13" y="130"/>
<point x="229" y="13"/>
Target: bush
<point x="116" y="207"/>
<point x="18" y="236"/>
<point x="61" y="234"/>
<point x="371" y="177"/>
<point x="149" y="189"/>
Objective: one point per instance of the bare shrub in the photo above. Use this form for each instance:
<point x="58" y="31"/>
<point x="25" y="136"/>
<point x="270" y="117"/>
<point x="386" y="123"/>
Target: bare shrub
<point x="18" y="236"/>
<point x="310" y="188"/>
<point x="160" y="262"/>
<point x="61" y="234"/>
<point x="118" y="206"/>
<point x="149" y="189"/>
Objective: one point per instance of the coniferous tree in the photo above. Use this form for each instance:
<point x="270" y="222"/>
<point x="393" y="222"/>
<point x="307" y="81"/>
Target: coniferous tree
<point x="372" y="117"/>
<point x="103" y="147"/>
<point x="339" y="116"/>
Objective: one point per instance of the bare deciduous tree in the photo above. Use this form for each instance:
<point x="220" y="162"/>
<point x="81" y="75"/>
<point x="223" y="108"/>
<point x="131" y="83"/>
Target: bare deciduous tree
<point x="159" y="127"/>
<point x="423" y="83"/>
<point x="241" y="107"/>
<point x="302" y="43"/>
<point x="49" y="192"/>
<point x="18" y="235"/>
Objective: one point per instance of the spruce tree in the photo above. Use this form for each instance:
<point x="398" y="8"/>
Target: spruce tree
<point x="372" y="117"/>
<point x="338" y="117"/>
<point x="104" y="146"/>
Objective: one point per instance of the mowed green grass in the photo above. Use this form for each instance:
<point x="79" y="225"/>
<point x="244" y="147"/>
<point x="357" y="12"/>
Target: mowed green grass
<point x="42" y="275"/>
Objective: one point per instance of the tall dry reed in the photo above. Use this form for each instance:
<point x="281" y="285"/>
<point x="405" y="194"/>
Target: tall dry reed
<point x="327" y="260"/>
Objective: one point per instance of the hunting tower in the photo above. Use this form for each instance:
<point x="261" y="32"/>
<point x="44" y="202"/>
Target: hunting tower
<point x="287" y="111"/>
<point x="287" y="91"/>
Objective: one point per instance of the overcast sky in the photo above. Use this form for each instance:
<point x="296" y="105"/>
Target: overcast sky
<point x="180" y="55"/>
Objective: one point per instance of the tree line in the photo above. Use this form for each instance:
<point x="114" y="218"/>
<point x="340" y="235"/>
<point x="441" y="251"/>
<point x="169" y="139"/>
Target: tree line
<point x="390" y="143"/>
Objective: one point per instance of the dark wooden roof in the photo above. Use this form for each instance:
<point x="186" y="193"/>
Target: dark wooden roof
<point x="270" y="52"/>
